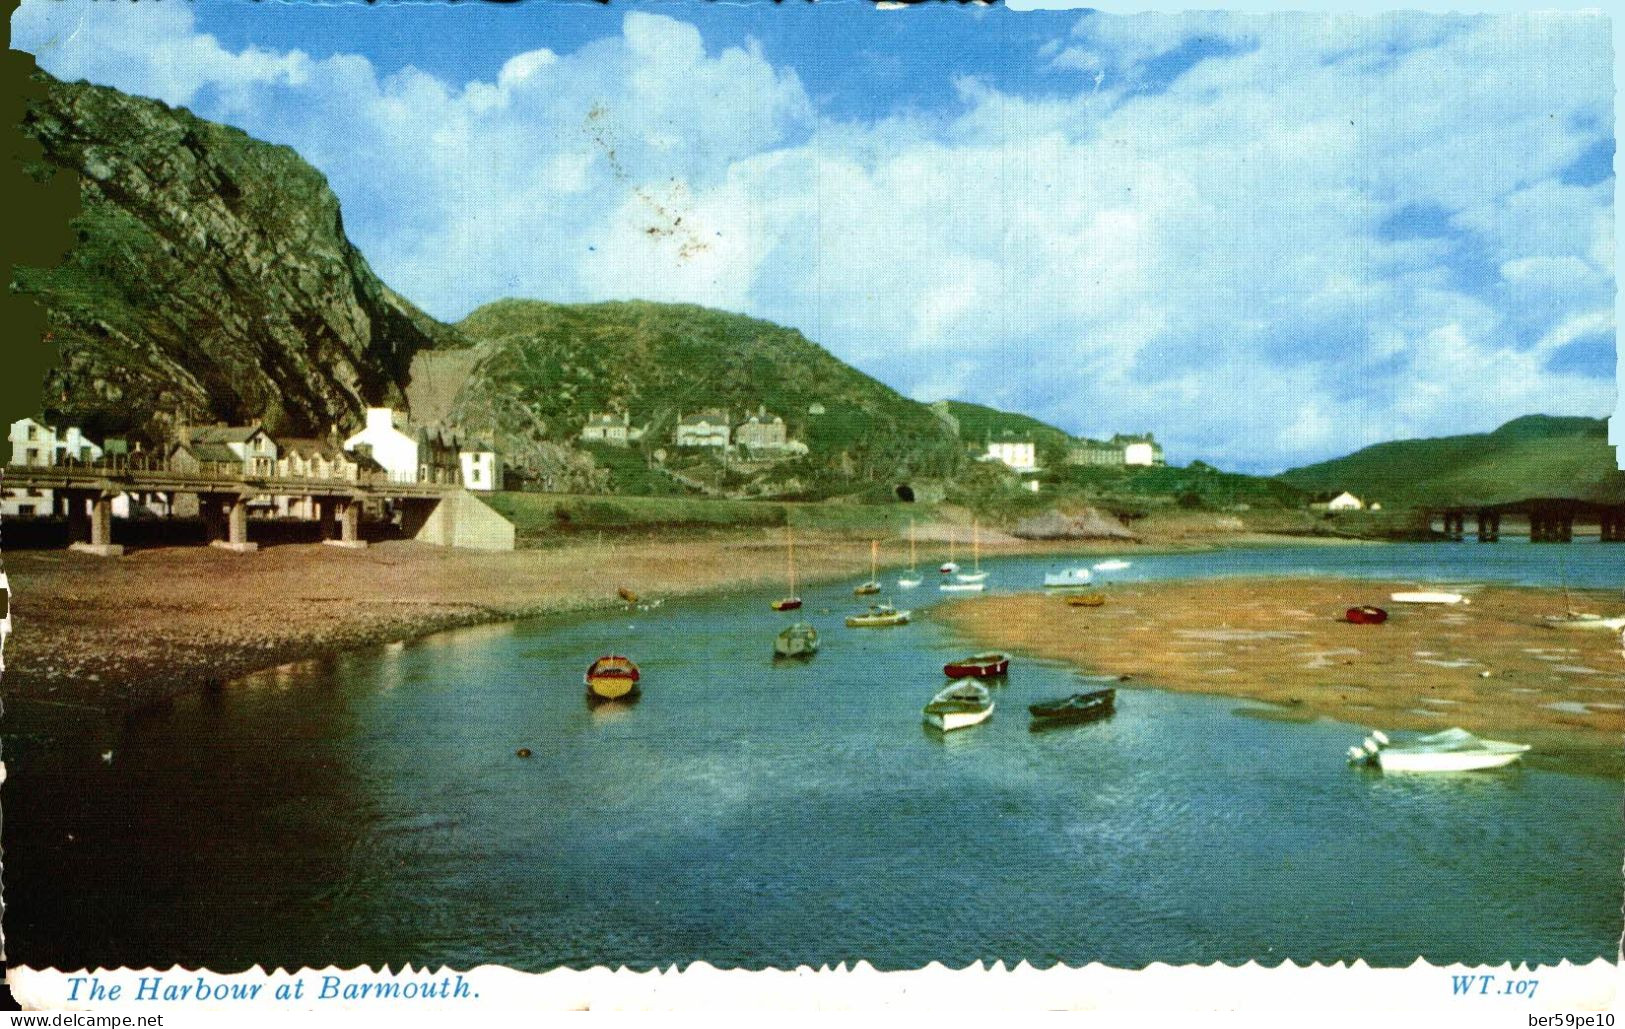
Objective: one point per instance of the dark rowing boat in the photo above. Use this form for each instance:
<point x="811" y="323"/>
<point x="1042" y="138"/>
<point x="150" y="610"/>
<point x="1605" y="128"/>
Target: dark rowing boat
<point x="1079" y="707"/>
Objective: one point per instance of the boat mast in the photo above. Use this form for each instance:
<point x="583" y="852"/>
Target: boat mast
<point x="874" y="559"/>
<point x="790" y="546"/>
<point x="911" y="560"/>
<point x="976" y="543"/>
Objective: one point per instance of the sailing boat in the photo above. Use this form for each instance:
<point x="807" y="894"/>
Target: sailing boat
<point x="950" y="565"/>
<point x="1572" y="617"/>
<point x="976" y="543"/>
<point x="792" y="600"/>
<point x="873" y="585"/>
<point x="911" y="578"/>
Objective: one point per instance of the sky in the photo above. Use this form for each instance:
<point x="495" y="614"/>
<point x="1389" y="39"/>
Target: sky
<point x="1268" y="238"/>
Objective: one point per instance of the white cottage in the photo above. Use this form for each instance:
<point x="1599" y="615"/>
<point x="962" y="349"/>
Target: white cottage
<point x="1021" y="456"/>
<point x="35" y="444"/>
<point x="482" y="471"/>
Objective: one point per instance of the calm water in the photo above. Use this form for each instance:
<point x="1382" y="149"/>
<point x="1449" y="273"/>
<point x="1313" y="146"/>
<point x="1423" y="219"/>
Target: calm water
<point x="371" y="809"/>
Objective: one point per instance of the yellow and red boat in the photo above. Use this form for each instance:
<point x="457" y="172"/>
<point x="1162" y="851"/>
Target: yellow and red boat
<point x="612" y="677"/>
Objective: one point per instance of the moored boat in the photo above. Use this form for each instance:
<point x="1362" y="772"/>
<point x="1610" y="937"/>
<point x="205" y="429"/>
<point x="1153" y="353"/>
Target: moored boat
<point x="864" y="589"/>
<point x="1086" y="600"/>
<point x="1453" y="750"/>
<point x="1079" y="707"/>
<point x="975" y="574"/>
<point x="978" y="666"/>
<point x="911" y="578"/>
<point x="1113" y="565"/>
<point x="962" y="587"/>
<point x="613" y="677"/>
<point x="1067" y="577"/>
<point x="791" y="600"/>
<point x="1365" y="615"/>
<point x="959" y="705"/>
<point x="798" y="640"/>
<point x="1581" y="620"/>
<point x="878" y="615"/>
<point x="1428" y="597"/>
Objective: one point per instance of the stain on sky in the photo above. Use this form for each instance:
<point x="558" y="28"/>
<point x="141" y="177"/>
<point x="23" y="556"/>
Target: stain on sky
<point x="665" y="219"/>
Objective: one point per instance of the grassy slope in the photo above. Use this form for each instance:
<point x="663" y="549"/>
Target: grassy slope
<point x="1529" y="457"/>
<point x="545" y="367"/>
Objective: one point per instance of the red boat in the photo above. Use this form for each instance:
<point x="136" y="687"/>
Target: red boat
<point x="1366" y="615"/>
<point x="612" y="677"/>
<point x="978" y="666"/>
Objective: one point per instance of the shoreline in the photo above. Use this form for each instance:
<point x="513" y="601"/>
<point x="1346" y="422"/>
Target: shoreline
<point x="119" y="635"/>
<point x="1281" y="647"/>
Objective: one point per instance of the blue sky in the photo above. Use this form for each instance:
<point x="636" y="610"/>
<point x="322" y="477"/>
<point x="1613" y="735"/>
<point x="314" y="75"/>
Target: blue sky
<point x="1269" y="238"/>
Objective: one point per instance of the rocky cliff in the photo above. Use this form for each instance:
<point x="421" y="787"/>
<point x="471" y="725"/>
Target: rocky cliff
<point x="210" y="279"/>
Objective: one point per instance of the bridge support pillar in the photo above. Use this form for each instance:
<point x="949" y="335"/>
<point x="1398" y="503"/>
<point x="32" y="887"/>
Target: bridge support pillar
<point x="90" y="524"/>
<point x="77" y="504"/>
<point x="233" y="519"/>
<point x="349" y="511"/>
<point x="1489" y="527"/>
<point x="323" y="507"/>
<point x="1612" y="527"/>
<point x="1455" y="523"/>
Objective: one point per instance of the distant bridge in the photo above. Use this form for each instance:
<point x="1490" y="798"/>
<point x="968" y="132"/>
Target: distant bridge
<point x="223" y="490"/>
<point x="1551" y="519"/>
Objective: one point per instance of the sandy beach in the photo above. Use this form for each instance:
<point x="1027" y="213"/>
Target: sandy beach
<point x="1490" y="666"/>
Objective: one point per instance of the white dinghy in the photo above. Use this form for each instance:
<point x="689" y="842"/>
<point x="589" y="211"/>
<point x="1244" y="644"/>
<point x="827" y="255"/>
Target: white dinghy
<point x="1428" y="597"/>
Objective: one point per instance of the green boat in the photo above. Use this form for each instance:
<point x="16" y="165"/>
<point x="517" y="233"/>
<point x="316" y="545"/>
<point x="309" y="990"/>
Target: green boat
<point x="798" y="640"/>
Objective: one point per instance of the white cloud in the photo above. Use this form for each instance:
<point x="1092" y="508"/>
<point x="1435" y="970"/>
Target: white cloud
<point x="1203" y="254"/>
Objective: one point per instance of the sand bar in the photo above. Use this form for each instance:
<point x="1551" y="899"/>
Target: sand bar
<point x="1429" y="667"/>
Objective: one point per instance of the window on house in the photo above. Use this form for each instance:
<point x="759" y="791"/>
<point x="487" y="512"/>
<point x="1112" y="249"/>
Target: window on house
<point x="474" y="476"/>
<point x="33" y="432"/>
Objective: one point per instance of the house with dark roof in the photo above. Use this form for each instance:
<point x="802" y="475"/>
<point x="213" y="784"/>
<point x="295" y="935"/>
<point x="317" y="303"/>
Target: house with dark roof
<point x="204" y="448"/>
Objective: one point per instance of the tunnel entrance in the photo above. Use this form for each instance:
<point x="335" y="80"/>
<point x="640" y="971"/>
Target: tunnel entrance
<point x="905" y="493"/>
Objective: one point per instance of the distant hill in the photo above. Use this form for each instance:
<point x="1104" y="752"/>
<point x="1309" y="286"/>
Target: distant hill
<point x="211" y="278"/>
<point x="1533" y="456"/>
<point x="543" y="368"/>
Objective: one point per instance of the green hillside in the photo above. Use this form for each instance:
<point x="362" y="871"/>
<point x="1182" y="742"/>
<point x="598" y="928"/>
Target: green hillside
<point x="1533" y="456"/>
<point x="544" y="368"/>
<point x="978" y="423"/>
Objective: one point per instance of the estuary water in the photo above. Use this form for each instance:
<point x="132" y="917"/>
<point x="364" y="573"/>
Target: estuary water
<point x="371" y="808"/>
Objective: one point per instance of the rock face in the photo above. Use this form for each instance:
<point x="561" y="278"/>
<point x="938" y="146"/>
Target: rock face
<point x="211" y="279"/>
<point x="1088" y="524"/>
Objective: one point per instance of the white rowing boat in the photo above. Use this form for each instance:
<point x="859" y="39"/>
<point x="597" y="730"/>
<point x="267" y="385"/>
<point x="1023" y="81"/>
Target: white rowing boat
<point x="1428" y="597"/>
<point x="961" y="704"/>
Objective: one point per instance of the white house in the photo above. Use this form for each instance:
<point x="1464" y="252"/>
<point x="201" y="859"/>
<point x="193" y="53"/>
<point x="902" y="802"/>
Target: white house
<point x="390" y="442"/>
<point x="1023" y="457"/>
<point x="37" y="445"/>
<point x="1139" y="454"/>
<point x="607" y="428"/>
<point x="706" y="429"/>
<point x="1345" y="501"/>
<point x="482" y="471"/>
